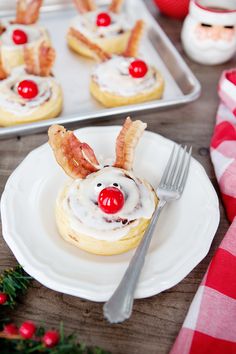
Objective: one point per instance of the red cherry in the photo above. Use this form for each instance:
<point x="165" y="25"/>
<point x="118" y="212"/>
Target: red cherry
<point x="10" y="329"/>
<point x="231" y="76"/>
<point x="3" y="298"/>
<point x="19" y="37"/>
<point x="27" y="329"/>
<point x="111" y="200"/>
<point x="103" y="19"/>
<point x="138" y="68"/>
<point x="51" y="338"/>
<point x="28" y="89"/>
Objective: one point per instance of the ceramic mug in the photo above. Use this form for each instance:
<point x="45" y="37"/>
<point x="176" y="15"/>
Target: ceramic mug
<point x="209" y="31"/>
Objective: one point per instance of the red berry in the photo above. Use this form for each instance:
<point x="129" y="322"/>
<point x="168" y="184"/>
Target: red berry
<point x="231" y="76"/>
<point x="103" y="19"/>
<point x="28" y="89"/>
<point x="27" y="329"/>
<point x="111" y="200"/>
<point x="138" y="68"/>
<point x="51" y="338"/>
<point x="3" y="298"/>
<point x="10" y="329"/>
<point x="19" y="37"/>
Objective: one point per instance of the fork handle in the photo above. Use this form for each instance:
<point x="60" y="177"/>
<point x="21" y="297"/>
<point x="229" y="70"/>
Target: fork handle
<point x="119" y="307"/>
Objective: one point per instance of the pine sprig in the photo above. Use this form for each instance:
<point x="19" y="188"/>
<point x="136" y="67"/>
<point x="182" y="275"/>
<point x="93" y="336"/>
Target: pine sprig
<point x="14" y="282"/>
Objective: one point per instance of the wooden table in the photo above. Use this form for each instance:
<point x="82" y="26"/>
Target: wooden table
<point x="155" y="321"/>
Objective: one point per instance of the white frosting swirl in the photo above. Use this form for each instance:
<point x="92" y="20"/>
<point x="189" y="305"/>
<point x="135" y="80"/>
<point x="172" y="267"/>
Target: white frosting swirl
<point x="113" y="76"/>
<point x="33" y="32"/>
<point x="87" y="218"/>
<point x="13" y="102"/>
<point x="86" y="24"/>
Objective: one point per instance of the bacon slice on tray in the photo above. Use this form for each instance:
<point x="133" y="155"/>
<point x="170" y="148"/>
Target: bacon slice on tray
<point x="134" y="40"/>
<point x="126" y="143"/>
<point x="85" y="5"/>
<point x="39" y="59"/>
<point x="98" y="51"/>
<point x="77" y="159"/>
<point x="27" y="11"/>
<point x="116" y="6"/>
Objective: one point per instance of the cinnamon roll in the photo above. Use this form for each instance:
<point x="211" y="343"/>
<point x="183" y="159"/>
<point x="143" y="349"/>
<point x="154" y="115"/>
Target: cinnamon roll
<point x="104" y="210"/>
<point x="22" y="32"/>
<point x="123" y="80"/>
<point x="110" y="30"/>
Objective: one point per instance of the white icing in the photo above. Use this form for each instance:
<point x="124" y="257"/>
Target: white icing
<point x="86" y="24"/>
<point x="33" y="32"/>
<point x="11" y="101"/>
<point x="85" y="215"/>
<point x="113" y="76"/>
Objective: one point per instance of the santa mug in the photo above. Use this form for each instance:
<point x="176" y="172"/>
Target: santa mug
<point x="209" y="31"/>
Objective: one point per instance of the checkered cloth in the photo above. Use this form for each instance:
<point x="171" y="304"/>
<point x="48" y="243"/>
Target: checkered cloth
<point x="210" y="325"/>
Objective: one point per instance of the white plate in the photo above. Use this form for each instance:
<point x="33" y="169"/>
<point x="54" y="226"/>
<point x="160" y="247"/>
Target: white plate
<point x="183" y="236"/>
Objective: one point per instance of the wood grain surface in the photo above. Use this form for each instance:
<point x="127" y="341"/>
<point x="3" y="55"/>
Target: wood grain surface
<point x="155" y="321"/>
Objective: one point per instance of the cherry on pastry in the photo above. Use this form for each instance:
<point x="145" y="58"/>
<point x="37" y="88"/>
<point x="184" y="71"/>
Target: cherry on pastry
<point x="27" y="329"/>
<point x="103" y="19"/>
<point x="51" y="338"/>
<point x="231" y="76"/>
<point x="19" y="37"/>
<point x="111" y="200"/>
<point x="138" y="68"/>
<point x="27" y="89"/>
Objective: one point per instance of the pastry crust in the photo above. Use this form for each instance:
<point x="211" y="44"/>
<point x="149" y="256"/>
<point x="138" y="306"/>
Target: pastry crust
<point x="93" y="245"/>
<point x="112" y="45"/>
<point x="48" y="109"/>
<point x="109" y="99"/>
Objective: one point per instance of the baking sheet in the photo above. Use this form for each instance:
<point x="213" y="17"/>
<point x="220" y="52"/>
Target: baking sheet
<point x="73" y="72"/>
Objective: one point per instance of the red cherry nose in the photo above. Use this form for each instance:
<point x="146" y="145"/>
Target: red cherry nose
<point x="19" y="37"/>
<point x="111" y="200"/>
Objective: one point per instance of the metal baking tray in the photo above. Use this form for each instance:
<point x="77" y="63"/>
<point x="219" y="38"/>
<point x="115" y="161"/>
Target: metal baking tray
<point x="73" y="71"/>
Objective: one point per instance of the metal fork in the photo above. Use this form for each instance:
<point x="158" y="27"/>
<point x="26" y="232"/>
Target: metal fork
<point x="119" y="307"/>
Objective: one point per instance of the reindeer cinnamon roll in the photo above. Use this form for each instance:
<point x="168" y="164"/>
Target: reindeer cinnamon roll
<point x="104" y="210"/>
<point x="110" y="29"/>
<point x="21" y="32"/>
<point x="30" y="92"/>
<point x="124" y="79"/>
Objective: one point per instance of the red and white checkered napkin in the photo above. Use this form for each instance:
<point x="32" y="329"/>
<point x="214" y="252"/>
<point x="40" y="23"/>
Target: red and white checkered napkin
<point x="210" y="325"/>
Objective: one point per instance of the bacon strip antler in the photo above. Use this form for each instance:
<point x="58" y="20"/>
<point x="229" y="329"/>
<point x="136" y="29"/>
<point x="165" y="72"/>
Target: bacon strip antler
<point x="39" y="59"/>
<point x="115" y="6"/>
<point x="27" y="11"/>
<point x="98" y="51"/>
<point x="134" y="40"/>
<point x="3" y="74"/>
<point x="77" y="159"/>
<point x="126" y="143"/>
<point x="85" y="5"/>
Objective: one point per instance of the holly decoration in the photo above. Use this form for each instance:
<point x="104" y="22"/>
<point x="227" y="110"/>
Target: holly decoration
<point x="29" y="338"/>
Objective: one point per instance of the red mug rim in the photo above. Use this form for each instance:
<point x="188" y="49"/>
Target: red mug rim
<point x="206" y="8"/>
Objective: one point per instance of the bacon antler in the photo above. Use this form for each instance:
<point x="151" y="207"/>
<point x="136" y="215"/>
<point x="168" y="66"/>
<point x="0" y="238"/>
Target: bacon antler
<point x="27" y="11"/>
<point x="134" y="40"/>
<point x="39" y="59"/>
<point x="98" y="51"/>
<point x="85" y="5"/>
<point x="115" y="6"/>
<point x="77" y="159"/>
<point x="3" y="74"/>
<point x="127" y="141"/>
